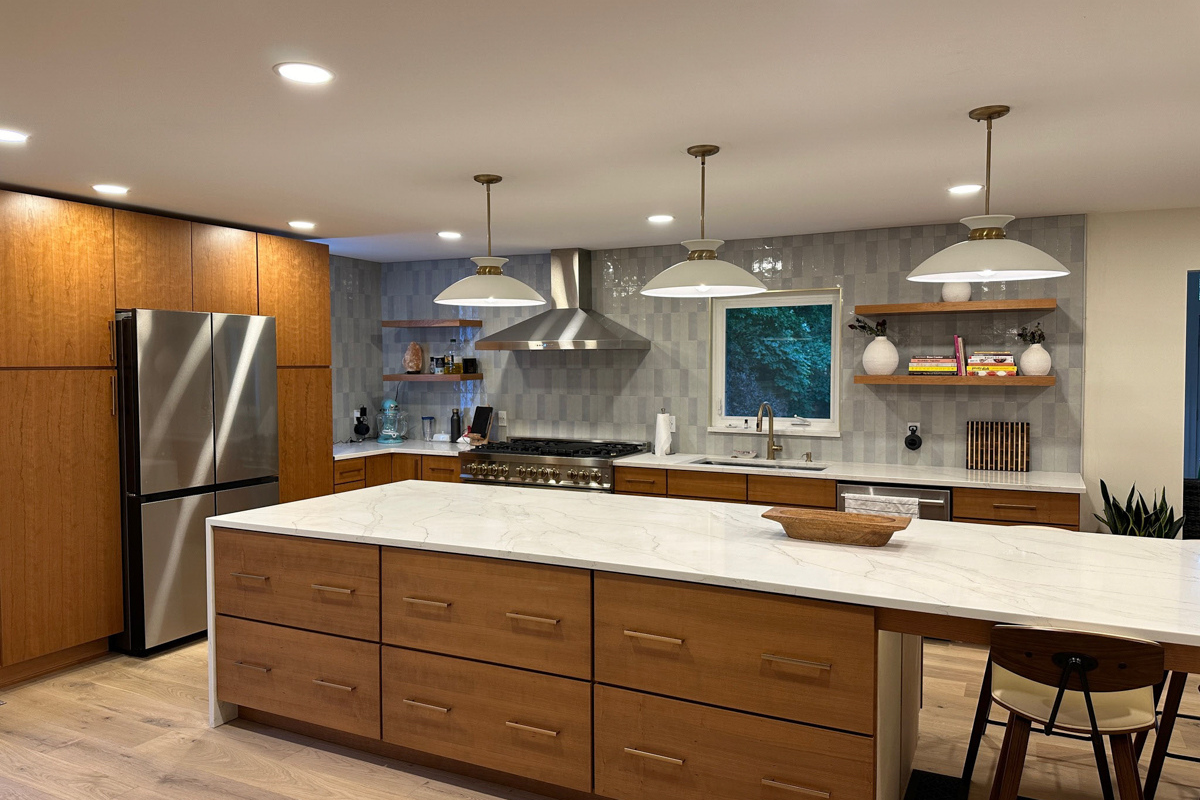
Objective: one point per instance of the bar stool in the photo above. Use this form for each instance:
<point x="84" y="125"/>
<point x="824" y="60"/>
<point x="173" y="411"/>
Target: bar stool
<point x="1085" y="683"/>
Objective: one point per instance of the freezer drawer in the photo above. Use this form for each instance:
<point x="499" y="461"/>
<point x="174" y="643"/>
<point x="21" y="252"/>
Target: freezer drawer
<point x="174" y="594"/>
<point x="245" y="400"/>
<point x="231" y="501"/>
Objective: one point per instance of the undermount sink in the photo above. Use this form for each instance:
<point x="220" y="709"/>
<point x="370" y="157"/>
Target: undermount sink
<point x="755" y="463"/>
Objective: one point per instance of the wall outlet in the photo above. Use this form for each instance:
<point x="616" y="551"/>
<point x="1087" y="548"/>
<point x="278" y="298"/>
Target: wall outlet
<point x="672" y="423"/>
<point x="502" y="418"/>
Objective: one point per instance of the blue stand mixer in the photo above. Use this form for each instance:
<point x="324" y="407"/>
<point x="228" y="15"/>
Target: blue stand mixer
<point x="392" y="423"/>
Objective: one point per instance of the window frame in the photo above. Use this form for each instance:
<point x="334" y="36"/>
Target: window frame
<point x="717" y="422"/>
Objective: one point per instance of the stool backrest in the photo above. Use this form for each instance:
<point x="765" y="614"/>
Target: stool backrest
<point x="1111" y="663"/>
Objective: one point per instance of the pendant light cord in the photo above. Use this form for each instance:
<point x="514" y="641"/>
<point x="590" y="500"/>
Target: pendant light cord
<point x="487" y="187"/>
<point x="702" y="168"/>
<point x="987" y="174"/>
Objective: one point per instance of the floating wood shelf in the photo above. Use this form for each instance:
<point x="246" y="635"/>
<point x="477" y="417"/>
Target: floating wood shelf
<point x="955" y="380"/>
<point x="433" y="323"/>
<point x="971" y="306"/>
<point x="425" y="376"/>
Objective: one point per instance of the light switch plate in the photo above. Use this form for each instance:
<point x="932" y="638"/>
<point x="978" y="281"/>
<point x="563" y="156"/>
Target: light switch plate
<point x="502" y="418"/>
<point x="672" y="423"/>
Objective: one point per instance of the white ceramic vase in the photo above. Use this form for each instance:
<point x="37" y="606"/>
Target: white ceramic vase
<point x="956" y="292"/>
<point x="880" y="357"/>
<point x="1035" y="361"/>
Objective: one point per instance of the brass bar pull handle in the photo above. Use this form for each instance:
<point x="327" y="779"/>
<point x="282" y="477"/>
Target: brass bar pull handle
<point x="417" y="601"/>
<point x="249" y="577"/>
<point x="528" y="618"/>
<point x="337" y="589"/>
<point x="112" y="341"/>
<point x="248" y="665"/>
<point x="429" y="706"/>
<point x="633" y="751"/>
<point x="1015" y="506"/>
<point x="799" y="662"/>
<point x="640" y="480"/>
<point x="339" y="686"/>
<point x="531" y="728"/>
<point x="653" y="637"/>
<point x="113" y="382"/>
<point x="791" y="787"/>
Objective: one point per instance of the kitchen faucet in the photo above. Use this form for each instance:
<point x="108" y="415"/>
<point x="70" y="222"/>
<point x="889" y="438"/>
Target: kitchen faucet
<point x="772" y="448"/>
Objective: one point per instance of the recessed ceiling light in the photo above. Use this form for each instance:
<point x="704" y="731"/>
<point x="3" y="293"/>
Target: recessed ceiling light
<point x="110" y="188"/>
<point x="13" y="137"/>
<point x="303" y="73"/>
<point x="450" y="234"/>
<point x="966" y="188"/>
<point x="660" y="219"/>
<point x="301" y="225"/>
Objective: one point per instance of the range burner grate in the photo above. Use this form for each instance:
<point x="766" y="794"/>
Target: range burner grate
<point x="563" y="448"/>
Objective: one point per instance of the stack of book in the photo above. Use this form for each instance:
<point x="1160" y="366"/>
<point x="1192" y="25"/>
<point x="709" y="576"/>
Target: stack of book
<point x="933" y="365"/>
<point x="991" y="363"/>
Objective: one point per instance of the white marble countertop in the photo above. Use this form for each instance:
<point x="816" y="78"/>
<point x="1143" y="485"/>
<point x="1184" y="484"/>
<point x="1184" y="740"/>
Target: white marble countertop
<point x="410" y="446"/>
<point x="1067" y="482"/>
<point x="1091" y="581"/>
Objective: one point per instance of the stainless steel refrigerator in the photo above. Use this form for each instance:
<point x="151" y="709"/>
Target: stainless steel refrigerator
<point x="199" y="435"/>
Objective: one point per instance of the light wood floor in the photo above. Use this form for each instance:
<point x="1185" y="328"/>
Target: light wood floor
<point x="135" y="729"/>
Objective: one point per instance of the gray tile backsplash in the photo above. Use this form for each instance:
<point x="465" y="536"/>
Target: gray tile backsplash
<point x="354" y="288"/>
<point x="616" y="394"/>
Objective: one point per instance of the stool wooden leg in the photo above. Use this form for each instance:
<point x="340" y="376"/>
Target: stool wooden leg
<point x="1129" y="783"/>
<point x="1166" y="725"/>
<point x="1106" y="787"/>
<point x="1007" y="783"/>
<point x="982" y="709"/>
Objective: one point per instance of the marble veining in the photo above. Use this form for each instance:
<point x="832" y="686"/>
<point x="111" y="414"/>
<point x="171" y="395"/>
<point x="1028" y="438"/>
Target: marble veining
<point x="916" y="474"/>
<point x="1090" y="581"/>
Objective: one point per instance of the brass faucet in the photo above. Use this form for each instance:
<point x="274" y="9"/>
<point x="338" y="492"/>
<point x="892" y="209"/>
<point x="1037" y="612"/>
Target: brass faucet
<point x="772" y="448"/>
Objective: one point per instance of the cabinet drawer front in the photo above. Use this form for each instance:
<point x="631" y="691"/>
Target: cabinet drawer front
<point x="348" y="470"/>
<point x="524" y="615"/>
<point x="652" y="748"/>
<point x="706" y="485"/>
<point x="349" y="487"/>
<point x="523" y="723"/>
<point x="784" y="491"/>
<point x="636" y="480"/>
<point x="1015" y="506"/>
<point x="313" y="677"/>
<point x="406" y="467"/>
<point x="440" y="468"/>
<point x="306" y="583"/>
<point x="805" y="660"/>
<point x="378" y="470"/>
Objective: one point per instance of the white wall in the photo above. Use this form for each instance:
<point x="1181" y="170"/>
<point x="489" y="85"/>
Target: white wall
<point x="1137" y="264"/>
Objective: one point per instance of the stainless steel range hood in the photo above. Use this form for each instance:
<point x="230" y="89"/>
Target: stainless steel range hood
<point x="570" y="324"/>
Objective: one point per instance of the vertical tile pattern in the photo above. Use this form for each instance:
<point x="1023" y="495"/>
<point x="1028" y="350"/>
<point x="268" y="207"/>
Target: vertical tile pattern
<point x="616" y="394"/>
<point x="354" y="287"/>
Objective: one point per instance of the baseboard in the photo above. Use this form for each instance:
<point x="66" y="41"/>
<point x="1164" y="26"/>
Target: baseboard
<point x="382" y="748"/>
<point x="52" y="662"/>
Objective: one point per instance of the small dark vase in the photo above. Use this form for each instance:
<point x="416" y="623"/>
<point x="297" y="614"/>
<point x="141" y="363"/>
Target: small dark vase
<point x="1191" y="508"/>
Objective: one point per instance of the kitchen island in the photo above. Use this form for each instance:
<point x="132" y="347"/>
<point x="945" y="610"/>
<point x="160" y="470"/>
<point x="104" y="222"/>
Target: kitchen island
<point x="637" y="647"/>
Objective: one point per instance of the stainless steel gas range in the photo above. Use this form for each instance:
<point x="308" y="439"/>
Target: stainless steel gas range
<point x="551" y="463"/>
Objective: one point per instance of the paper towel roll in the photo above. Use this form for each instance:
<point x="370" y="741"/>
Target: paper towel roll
<point x="662" y="435"/>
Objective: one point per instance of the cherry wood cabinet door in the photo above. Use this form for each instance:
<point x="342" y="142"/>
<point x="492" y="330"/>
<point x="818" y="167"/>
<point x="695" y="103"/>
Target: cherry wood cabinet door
<point x="293" y="287"/>
<point x="154" y="261"/>
<point x="57" y="283"/>
<point x="60" y="530"/>
<point x="305" y="433"/>
<point x="224" y="270"/>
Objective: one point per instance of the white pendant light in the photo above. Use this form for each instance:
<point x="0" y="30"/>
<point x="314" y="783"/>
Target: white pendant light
<point x="489" y="286"/>
<point x="702" y="274"/>
<point x="987" y="255"/>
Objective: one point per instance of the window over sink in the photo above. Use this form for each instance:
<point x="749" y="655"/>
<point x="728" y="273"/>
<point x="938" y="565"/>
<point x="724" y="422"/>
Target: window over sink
<point x="781" y="348"/>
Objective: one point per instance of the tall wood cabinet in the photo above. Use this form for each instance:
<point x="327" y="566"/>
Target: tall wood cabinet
<point x="224" y="269"/>
<point x="293" y="287"/>
<point x="305" y="432"/>
<point x="60" y="530"/>
<point x="57" y="284"/>
<point x="153" y="260"/>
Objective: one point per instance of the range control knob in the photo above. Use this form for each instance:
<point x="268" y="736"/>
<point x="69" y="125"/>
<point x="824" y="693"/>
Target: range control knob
<point x="570" y="474"/>
<point x="595" y="476"/>
<point x="504" y="469"/>
<point x="520" y="472"/>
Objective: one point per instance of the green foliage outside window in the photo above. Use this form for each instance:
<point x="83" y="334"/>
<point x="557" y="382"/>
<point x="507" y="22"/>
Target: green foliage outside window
<point x="780" y="354"/>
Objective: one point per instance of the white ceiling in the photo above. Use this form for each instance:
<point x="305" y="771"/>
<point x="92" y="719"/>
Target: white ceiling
<point x="831" y="115"/>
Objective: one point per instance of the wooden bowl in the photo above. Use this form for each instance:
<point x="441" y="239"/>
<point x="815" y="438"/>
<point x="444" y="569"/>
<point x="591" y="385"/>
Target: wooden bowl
<point x="838" y="527"/>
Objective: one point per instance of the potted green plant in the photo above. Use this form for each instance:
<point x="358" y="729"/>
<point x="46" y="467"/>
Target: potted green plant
<point x="880" y="357"/>
<point x="1154" y="520"/>
<point x="1035" y="360"/>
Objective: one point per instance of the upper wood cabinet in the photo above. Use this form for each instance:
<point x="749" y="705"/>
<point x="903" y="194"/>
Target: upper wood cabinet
<point x="305" y="433"/>
<point x="60" y="533"/>
<point x="57" y="283"/>
<point x="224" y="270"/>
<point x="293" y="287"/>
<point x="154" y="261"/>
